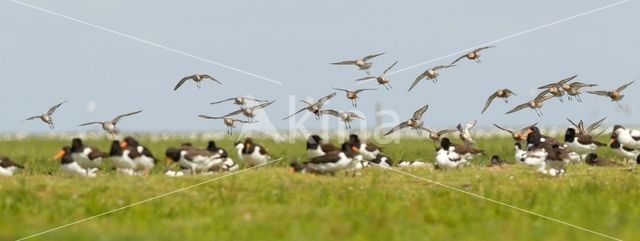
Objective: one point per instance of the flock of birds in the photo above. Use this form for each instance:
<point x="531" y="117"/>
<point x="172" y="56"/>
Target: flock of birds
<point x="531" y="147"/>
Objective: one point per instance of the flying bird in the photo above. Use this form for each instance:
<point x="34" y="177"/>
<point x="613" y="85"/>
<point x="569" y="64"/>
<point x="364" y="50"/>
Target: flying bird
<point x="436" y="135"/>
<point x="361" y="63"/>
<point x="519" y="135"/>
<point x="465" y="133"/>
<point x="615" y="95"/>
<point x="47" y="117"/>
<point x="249" y="112"/>
<point x="500" y="93"/>
<point x="415" y="122"/>
<point x="197" y="78"/>
<point x="556" y="88"/>
<point x="238" y="100"/>
<point x="110" y="126"/>
<point x="535" y="104"/>
<point x="345" y="116"/>
<point x="381" y="79"/>
<point x="229" y="122"/>
<point x="313" y="107"/>
<point x="429" y="74"/>
<point x="353" y="95"/>
<point x="473" y="55"/>
<point x="573" y="89"/>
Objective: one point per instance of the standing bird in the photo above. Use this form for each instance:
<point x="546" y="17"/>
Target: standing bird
<point x="86" y="156"/>
<point x="535" y="104"/>
<point x="249" y="112"/>
<point x="615" y="95"/>
<point x="473" y="55"/>
<point x="345" y="116"/>
<point x="628" y="138"/>
<point x="47" y="117"/>
<point x="252" y="154"/>
<point x="415" y="122"/>
<point x="573" y="89"/>
<point x="146" y="161"/>
<point x="110" y="126"/>
<point x="381" y="79"/>
<point x="556" y="88"/>
<point x="229" y="122"/>
<point x="8" y="167"/>
<point x="313" y="107"/>
<point x="593" y="160"/>
<point x="71" y="167"/>
<point x="580" y="143"/>
<point x="520" y="135"/>
<point x="361" y="63"/>
<point x="500" y="93"/>
<point x="429" y="74"/>
<point x="353" y="95"/>
<point x="465" y="133"/>
<point x="316" y="147"/>
<point x="197" y="78"/>
<point x="239" y="100"/>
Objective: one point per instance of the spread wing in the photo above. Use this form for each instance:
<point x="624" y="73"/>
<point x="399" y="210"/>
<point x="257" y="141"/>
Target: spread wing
<point x="31" y="118"/>
<point x="508" y="91"/>
<point x="233" y="113"/>
<point x="543" y="96"/>
<point x="91" y="123"/>
<point x="459" y="58"/>
<point x="330" y="112"/>
<point x="206" y="76"/>
<point x="565" y="80"/>
<point x="471" y="125"/>
<point x="260" y="106"/>
<point x="256" y="100"/>
<point x="218" y="102"/>
<point x="360" y="90"/>
<point x="367" y="78"/>
<point x="489" y="100"/>
<point x="321" y="101"/>
<point x="390" y="67"/>
<point x="595" y="125"/>
<point x="300" y="110"/>
<point x="578" y="85"/>
<point x="418" y="114"/>
<point x="443" y="132"/>
<point x="504" y="129"/>
<point x="345" y="62"/>
<point x="621" y="88"/>
<point x="575" y="125"/>
<point x="341" y="89"/>
<point x="115" y="120"/>
<point x="396" y="128"/>
<point x="181" y="82"/>
<point x="599" y="92"/>
<point x="517" y="108"/>
<point x="483" y="48"/>
<point x="371" y="56"/>
<point x="355" y="115"/>
<point x="244" y="121"/>
<point x="442" y="67"/>
<point x="547" y="86"/>
<point x="210" y="117"/>
<point x="53" y="109"/>
<point x="415" y="82"/>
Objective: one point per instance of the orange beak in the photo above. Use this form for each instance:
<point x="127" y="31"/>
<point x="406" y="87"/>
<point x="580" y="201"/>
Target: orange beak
<point x="167" y="161"/>
<point x="354" y="148"/>
<point x="248" y="145"/>
<point x="59" y="155"/>
<point x="123" y="144"/>
<point x="612" y="140"/>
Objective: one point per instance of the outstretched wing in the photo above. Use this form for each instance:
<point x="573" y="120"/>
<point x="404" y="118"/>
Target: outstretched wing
<point x="517" y="108"/>
<point x="210" y="117"/>
<point x="181" y="82"/>
<point x="595" y="125"/>
<point x="244" y="121"/>
<point x="53" y="109"/>
<point x="488" y="102"/>
<point x="233" y="113"/>
<point x="508" y="91"/>
<point x="360" y="90"/>
<point x="442" y="67"/>
<point x="218" y="102"/>
<point x="260" y="106"/>
<point x="565" y="80"/>
<point x="91" y="123"/>
<point x="415" y="82"/>
<point x="340" y="89"/>
<point x="300" y="110"/>
<point x="599" y="92"/>
<point x="31" y="118"/>
<point x="483" y="48"/>
<point x="345" y="62"/>
<point x="447" y="131"/>
<point x="355" y="115"/>
<point x="578" y="85"/>
<point x="459" y="58"/>
<point x="397" y="127"/>
<point x="206" y="76"/>
<point x="371" y="56"/>
<point x="367" y="78"/>
<point x="330" y="112"/>
<point x="390" y="67"/>
<point x="321" y="101"/>
<point x="115" y="120"/>
<point x="256" y="100"/>
<point x="418" y="114"/>
<point x="504" y="129"/>
<point x="471" y="125"/>
<point x="621" y="88"/>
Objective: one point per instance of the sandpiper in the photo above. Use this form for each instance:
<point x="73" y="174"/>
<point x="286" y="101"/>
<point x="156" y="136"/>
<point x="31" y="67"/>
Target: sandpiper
<point x="313" y="107"/>
<point x="381" y="79"/>
<point x="197" y="78"/>
<point x="473" y="55"/>
<point x="429" y="74"/>
<point x="239" y="100"/>
<point x="110" y="126"/>
<point x="615" y="95"/>
<point x="520" y="135"/>
<point x="415" y="122"/>
<point x="47" y="117"/>
<point x="535" y="104"/>
<point x="361" y="63"/>
<point x="352" y="95"/>
<point x="229" y="122"/>
<point x="556" y="88"/>
<point x="249" y="112"/>
<point x="500" y="93"/>
<point x="346" y="116"/>
<point x="573" y="89"/>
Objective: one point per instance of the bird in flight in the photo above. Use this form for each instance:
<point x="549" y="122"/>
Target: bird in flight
<point x="110" y="126"/>
<point x="429" y="74"/>
<point x="313" y="107"/>
<point x="615" y="95"/>
<point x="501" y="93"/>
<point x="382" y="79"/>
<point x="47" y="117"/>
<point x="229" y="122"/>
<point x="473" y="55"/>
<point x="415" y="122"/>
<point x="353" y="95"/>
<point x="361" y="63"/>
<point x="197" y="78"/>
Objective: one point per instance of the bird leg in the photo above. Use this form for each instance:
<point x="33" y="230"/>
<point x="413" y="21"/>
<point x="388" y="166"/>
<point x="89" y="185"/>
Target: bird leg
<point x="198" y="84"/>
<point x="506" y="100"/>
<point x="619" y="105"/>
<point x="578" y="98"/>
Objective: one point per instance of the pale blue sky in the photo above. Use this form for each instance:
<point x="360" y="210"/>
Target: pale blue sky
<point x="45" y="59"/>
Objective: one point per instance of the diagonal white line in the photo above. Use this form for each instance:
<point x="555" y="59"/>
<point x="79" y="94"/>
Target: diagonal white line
<point x="505" y="38"/>
<point x="498" y="202"/>
<point x="146" y="42"/>
<point x="147" y="200"/>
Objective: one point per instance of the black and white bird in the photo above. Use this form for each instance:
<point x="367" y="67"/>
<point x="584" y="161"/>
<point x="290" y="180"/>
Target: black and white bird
<point x="345" y="159"/>
<point x="194" y="159"/>
<point x="86" y="156"/>
<point x="429" y="74"/>
<point x="362" y="63"/>
<point x="8" y="167"/>
<point x="313" y="107"/>
<point x="146" y="161"/>
<point x="415" y="122"/>
<point x="472" y="55"/>
<point x="122" y="158"/>
<point x="580" y="143"/>
<point x="368" y="151"/>
<point x="252" y="154"/>
<point x="239" y="100"/>
<point x="47" y="117"/>
<point x="317" y="147"/>
<point x="447" y="157"/>
<point x="196" y="78"/>
<point x="229" y="122"/>
<point x="110" y="126"/>
<point x="519" y="152"/>
<point x="228" y="164"/>
<point x="465" y="133"/>
<point x="71" y="167"/>
<point x="345" y="116"/>
<point x="381" y="79"/>
<point x="382" y="160"/>
<point x="249" y="112"/>
<point x="628" y="138"/>
<point x="626" y="152"/>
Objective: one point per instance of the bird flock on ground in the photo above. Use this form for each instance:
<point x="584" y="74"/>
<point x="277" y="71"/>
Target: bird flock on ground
<point x="546" y="154"/>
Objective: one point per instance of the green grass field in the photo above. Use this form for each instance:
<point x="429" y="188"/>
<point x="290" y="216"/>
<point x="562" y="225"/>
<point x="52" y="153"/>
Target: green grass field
<point x="272" y="203"/>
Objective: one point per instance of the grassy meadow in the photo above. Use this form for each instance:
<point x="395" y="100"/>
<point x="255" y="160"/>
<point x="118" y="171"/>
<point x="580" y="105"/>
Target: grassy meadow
<point x="272" y="203"/>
